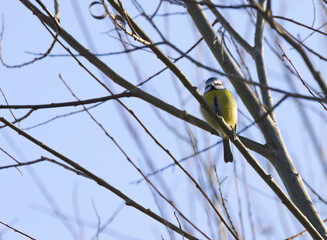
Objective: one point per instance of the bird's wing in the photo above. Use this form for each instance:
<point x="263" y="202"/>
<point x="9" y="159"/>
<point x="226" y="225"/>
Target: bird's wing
<point x="216" y="106"/>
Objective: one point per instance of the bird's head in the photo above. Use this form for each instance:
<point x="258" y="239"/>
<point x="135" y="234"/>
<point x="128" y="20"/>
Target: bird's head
<point x="213" y="84"/>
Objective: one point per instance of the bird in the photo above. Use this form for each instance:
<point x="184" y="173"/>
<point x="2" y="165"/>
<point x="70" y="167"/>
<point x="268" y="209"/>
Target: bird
<point x="223" y="103"/>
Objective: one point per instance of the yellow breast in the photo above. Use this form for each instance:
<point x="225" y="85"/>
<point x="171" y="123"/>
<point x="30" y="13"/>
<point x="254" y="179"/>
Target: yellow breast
<point x="222" y="102"/>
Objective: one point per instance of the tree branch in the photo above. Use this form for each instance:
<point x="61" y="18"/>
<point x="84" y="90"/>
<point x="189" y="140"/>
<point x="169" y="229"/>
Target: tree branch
<point x="259" y="61"/>
<point x="69" y="104"/>
<point x="276" y="26"/>
<point x="256" y="110"/>
<point x="99" y="181"/>
<point x="229" y="28"/>
<point x="127" y="85"/>
<point x="282" y="161"/>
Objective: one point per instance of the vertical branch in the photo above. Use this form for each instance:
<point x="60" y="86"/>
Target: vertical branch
<point x="259" y="61"/>
<point x="57" y="12"/>
<point x="282" y="161"/>
<point x="294" y="43"/>
<point x="229" y="28"/>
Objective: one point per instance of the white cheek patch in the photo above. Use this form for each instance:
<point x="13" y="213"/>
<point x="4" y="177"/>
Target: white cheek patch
<point x="214" y="85"/>
<point x="218" y="85"/>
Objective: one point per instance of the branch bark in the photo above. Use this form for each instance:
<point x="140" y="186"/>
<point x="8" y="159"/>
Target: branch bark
<point x="259" y="61"/>
<point x="282" y="161"/>
<point x="290" y="39"/>
<point x="98" y="180"/>
<point x="257" y="147"/>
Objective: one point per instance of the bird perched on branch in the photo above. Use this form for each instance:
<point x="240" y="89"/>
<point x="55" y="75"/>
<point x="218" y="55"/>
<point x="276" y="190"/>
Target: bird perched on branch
<point x="223" y="103"/>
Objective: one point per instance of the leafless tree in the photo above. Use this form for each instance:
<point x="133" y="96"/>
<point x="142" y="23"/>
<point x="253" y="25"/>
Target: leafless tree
<point x="147" y="34"/>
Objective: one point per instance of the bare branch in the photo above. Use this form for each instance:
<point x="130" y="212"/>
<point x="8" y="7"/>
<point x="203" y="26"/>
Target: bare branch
<point x="229" y="28"/>
<point x="4" y="97"/>
<point x="98" y="180"/>
<point x="119" y="80"/>
<point x="259" y="60"/>
<point x="266" y="125"/>
<point x="70" y="104"/>
<point x="299" y="234"/>
<point x="315" y="73"/>
<point x="26" y="63"/>
<point x="18" y="120"/>
<point x="223" y="201"/>
<point x="275" y="146"/>
<point x="301" y="24"/>
<point x="16" y="230"/>
<point x="133" y="164"/>
<point x="57" y="12"/>
<point x="301" y="77"/>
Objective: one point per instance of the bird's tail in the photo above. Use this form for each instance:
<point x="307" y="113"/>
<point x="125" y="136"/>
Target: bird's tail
<point x="228" y="154"/>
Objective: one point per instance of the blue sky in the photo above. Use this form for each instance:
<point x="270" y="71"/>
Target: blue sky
<point x="25" y="204"/>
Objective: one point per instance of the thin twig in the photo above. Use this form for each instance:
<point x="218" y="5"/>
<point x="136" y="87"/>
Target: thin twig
<point x="26" y="63"/>
<point x="10" y="156"/>
<point x="314" y="192"/>
<point x="294" y="43"/>
<point x="16" y="230"/>
<point x="72" y="103"/>
<point x="98" y="180"/>
<point x="300" y="234"/>
<point x="130" y="160"/>
<point x="4" y="97"/>
<point x="43" y="159"/>
<point x="179" y="224"/>
<point x="301" y="24"/>
<point x="106" y="224"/>
<point x="21" y="118"/>
<point x="223" y="201"/>
<point x="299" y="76"/>
<point x="60" y="116"/>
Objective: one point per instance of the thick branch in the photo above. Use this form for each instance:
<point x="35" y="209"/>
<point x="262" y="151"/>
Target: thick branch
<point x="132" y="88"/>
<point x="259" y="61"/>
<point x="282" y="161"/>
<point x="198" y="17"/>
<point x="229" y="28"/>
<point x="256" y="110"/>
<point x="275" y="25"/>
<point x="99" y="181"/>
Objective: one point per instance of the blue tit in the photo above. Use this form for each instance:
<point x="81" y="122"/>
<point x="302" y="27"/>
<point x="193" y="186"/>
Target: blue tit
<point x="223" y="103"/>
